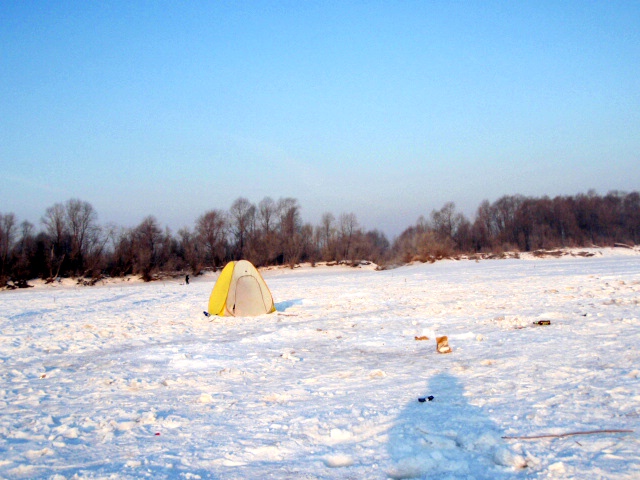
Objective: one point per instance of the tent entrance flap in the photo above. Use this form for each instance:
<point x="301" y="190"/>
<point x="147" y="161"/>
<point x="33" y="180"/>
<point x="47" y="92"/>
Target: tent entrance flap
<point x="248" y="301"/>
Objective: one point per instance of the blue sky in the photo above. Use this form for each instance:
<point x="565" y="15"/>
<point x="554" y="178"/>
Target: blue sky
<point x="384" y="109"/>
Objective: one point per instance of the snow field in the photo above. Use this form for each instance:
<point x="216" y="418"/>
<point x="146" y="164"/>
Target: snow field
<point x="133" y="381"/>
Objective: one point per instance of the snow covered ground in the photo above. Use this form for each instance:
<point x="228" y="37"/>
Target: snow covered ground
<point x="133" y="381"/>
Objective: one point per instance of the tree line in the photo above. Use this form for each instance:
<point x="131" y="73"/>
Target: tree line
<point x="71" y="242"/>
<point x="523" y="224"/>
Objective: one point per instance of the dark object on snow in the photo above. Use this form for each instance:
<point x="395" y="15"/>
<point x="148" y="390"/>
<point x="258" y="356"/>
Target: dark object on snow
<point x="206" y="314"/>
<point x="542" y="322"/>
<point x="18" y="284"/>
<point x="187" y="279"/>
<point x="424" y="399"/>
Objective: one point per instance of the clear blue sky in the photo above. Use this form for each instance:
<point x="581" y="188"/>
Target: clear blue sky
<point x="384" y="109"/>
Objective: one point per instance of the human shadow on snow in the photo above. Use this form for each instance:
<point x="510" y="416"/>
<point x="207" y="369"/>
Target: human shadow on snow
<point x="447" y="437"/>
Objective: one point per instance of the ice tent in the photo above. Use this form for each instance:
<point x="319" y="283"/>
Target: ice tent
<point x="240" y="291"/>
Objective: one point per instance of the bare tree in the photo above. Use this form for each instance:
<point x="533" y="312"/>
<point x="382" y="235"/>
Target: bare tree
<point x="446" y="221"/>
<point x="264" y="241"/>
<point x="290" y="225"/>
<point x="7" y="238"/>
<point x="267" y="213"/>
<point x="289" y="212"/>
<point x="84" y="233"/>
<point x="631" y="217"/>
<point x="377" y="246"/>
<point x="123" y="256"/>
<point x="327" y="236"/>
<point x="503" y="216"/>
<point x="564" y="221"/>
<point x="481" y="231"/>
<point x="347" y="225"/>
<point x="55" y="222"/>
<point x="306" y="250"/>
<point x="191" y="250"/>
<point x="147" y="244"/>
<point x="464" y="235"/>
<point x="211" y="229"/>
<point x="242" y="213"/>
<point x="94" y="249"/>
<point x="25" y="252"/>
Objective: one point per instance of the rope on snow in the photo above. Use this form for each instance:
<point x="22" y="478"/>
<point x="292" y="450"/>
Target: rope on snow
<point x="568" y="434"/>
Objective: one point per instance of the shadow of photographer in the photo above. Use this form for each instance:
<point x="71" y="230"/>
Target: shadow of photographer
<point x="444" y="436"/>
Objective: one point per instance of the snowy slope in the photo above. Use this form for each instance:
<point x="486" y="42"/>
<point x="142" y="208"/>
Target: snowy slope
<point x="133" y="381"/>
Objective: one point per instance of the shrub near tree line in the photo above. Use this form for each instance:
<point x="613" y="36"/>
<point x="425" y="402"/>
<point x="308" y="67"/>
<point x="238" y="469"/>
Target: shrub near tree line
<point x="72" y="244"/>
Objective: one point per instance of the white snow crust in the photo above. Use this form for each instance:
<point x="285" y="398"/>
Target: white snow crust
<point x="132" y="381"/>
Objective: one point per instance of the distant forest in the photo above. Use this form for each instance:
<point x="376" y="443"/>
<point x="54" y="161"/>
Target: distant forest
<point x="71" y="243"/>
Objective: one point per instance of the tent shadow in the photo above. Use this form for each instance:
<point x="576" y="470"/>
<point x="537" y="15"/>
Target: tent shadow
<point x="447" y="437"/>
<point x="282" y="306"/>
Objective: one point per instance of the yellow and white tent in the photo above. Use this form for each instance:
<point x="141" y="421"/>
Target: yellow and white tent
<point x="240" y="291"/>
